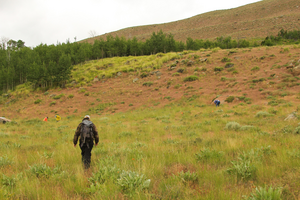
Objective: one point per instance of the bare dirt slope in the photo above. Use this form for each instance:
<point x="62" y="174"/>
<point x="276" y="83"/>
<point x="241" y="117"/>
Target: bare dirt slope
<point x="258" y="74"/>
<point x="256" y="20"/>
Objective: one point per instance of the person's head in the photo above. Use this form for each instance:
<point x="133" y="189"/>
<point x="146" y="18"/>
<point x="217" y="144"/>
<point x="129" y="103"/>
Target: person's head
<point x="87" y="117"/>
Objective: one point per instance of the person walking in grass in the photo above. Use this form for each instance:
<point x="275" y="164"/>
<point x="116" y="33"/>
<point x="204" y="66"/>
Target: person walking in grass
<point x="87" y="132"/>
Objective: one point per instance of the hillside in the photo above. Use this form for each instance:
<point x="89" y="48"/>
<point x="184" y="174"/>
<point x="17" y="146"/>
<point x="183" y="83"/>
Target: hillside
<point x="160" y="135"/>
<point x="253" y="21"/>
<point x="259" y="74"/>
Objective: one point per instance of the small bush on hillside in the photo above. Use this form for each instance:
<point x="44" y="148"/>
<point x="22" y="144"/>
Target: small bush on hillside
<point x="285" y="50"/>
<point x="176" y="74"/>
<point x="203" y="69"/>
<point x="42" y="170"/>
<point x="225" y="59"/>
<point x="233" y="126"/>
<point x="247" y="127"/>
<point x="229" y="65"/>
<point x="188" y="176"/>
<point x="263" y="193"/>
<point x="177" y="86"/>
<point x="207" y="154"/>
<point x="58" y="96"/>
<point x="131" y="182"/>
<point x="241" y="98"/>
<point x="223" y="78"/>
<point x="218" y="69"/>
<point x="263" y="114"/>
<point x="143" y="75"/>
<point x="191" y="78"/>
<point x="229" y="99"/>
<point x="52" y="103"/>
<point x="37" y="101"/>
<point x="256" y="68"/>
<point x="149" y="83"/>
<point x="5" y="161"/>
<point x="70" y="96"/>
<point x="11" y="181"/>
<point x="297" y="130"/>
<point x="81" y="90"/>
<point x="243" y="167"/>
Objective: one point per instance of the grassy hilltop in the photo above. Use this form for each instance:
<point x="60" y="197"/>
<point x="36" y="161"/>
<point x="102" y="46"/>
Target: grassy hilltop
<point x="160" y="135"/>
<point x="252" y="22"/>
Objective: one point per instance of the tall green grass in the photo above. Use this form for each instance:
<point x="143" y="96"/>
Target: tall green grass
<point x="180" y="151"/>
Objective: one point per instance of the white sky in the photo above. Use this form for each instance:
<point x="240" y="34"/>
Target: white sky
<point x="52" y="21"/>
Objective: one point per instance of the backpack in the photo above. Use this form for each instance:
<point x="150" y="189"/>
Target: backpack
<point x="86" y="132"/>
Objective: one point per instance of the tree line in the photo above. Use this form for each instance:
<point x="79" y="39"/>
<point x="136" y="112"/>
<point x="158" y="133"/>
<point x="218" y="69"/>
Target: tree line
<point x="51" y="65"/>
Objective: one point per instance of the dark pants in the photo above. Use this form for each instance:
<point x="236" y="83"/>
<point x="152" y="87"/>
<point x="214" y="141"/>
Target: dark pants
<point x="86" y="154"/>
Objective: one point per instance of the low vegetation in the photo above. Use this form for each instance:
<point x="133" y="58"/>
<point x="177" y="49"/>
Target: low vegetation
<point x="190" y="158"/>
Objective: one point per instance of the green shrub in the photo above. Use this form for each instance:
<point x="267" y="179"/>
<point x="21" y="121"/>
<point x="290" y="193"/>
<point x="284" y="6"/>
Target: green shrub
<point x="207" y="154"/>
<point x="103" y="174"/>
<point x="58" y="96"/>
<point x="177" y="86"/>
<point x="42" y="170"/>
<point x="263" y="114"/>
<point x="149" y="83"/>
<point x="256" y="68"/>
<point x="218" y="69"/>
<point x="264" y="193"/>
<point x="4" y="161"/>
<point x="233" y="126"/>
<point x="176" y="74"/>
<point x="70" y="96"/>
<point x="297" y="130"/>
<point x="243" y="168"/>
<point x="203" y="69"/>
<point x="10" y="181"/>
<point x="229" y="65"/>
<point x="143" y="75"/>
<point x="188" y="176"/>
<point x="241" y="98"/>
<point x="229" y="99"/>
<point x="247" y="127"/>
<point x="191" y="78"/>
<point x="52" y="103"/>
<point x="37" y="101"/>
<point x="225" y="59"/>
<point x="131" y="182"/>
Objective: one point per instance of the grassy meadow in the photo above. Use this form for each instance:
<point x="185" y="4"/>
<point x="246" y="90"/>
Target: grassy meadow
<point x="184" y="150"/>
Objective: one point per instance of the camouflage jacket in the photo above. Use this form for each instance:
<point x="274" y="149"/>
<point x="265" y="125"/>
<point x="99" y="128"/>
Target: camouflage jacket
<point x="78" y="132"/>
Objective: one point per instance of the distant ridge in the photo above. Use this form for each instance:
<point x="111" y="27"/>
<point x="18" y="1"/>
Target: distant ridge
<point x="252" y="21"/>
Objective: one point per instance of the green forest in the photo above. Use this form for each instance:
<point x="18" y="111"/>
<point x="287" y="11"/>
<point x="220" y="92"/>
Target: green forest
<point x="49" y="66"/>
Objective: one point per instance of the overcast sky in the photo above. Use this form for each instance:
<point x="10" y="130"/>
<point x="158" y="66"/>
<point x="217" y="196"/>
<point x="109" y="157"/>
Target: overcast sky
<point x="52" y="21"/>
